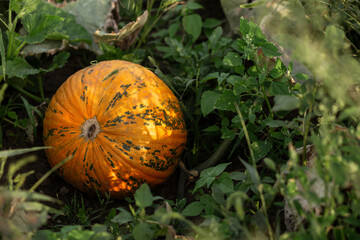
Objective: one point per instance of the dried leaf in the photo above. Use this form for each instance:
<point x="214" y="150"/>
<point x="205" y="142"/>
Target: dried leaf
<point x="126" y="36"/>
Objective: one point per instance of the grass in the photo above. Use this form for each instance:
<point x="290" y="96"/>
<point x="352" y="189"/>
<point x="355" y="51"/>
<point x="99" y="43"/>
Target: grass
<point x="267" y="157"/>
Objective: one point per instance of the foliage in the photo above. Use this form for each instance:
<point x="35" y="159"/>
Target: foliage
<point x="272" y="158"/>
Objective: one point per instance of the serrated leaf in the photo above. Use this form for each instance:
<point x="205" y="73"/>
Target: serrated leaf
<point x="232" y="59"/>
<point x="207" y="102"/>
<point x="279" y="88"/>
<point x="285" y="103"/>
<point x="193" y="209"/>
<point x="19" y="67"/>
<point x="143" y="196"/>
<point x="270" y="50"/>
<point x="226" y="100"/>
<point x="38" y="26"/>
<point x="69" y="29"/>
<point x="244" y="26"/>
<point x="192" y="24"/>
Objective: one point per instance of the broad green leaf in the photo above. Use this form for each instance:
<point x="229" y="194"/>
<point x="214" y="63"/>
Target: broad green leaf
<point x="214" y="171"/>
<point x="143" y="196"/>
<point x="279" y="88"/>
<point x="192" y="25"/>
<point x="212" y="75"/>
<point x="38" y="26"/>
<point x="238" y="176"/>
<point x="244" y="26"/>
<point x="260" y="149"/>
<point x="232" y="59"/>
<point x="211" y="23"/>
<point x="234" y="79"/>
<point x="226" y="100"/>
<point x="193" y="6"/>
<point x="69" y="29"/>
<point x="285" y="103"/>
<point x="270" y="50"/>
<point x="225" y="183"/>
<point x="208" y="100"/>
<point x="202" y="182"/>
<point x="18" y="67"/>
<point x="123" y="217"/>
<point x="193" y="209"/>
<point x="212" y="128"/>
<point x="173" y="28"/>
<point x="222" y="77"/>
<point x="142" y="231"/>
<point x="215" y="37"/>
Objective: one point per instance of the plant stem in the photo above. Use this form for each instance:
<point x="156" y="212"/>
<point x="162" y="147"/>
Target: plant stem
<point x="246" y="134"/>
<point x="13" y="123"/>
<point x="211" y="161"/>
<point x="47" y="174"/>
<point x="28" y="94"/>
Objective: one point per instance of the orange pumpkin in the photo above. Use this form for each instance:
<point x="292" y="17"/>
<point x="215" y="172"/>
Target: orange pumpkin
<point x="122" y="125"/>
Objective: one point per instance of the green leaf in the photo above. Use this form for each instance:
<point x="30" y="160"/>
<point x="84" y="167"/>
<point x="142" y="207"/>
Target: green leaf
<point x="279" y="88"/>
<point x="68" y="29"/>
<point x="276" y="123"/>
<point x="213" y="75"/>
<point x="193" y="209"/>
<point x="244" y="26"/>
<point x="207" y="102"/>
<point x="193" y="6"/>
<point x="211" y="23"/>
<point x="192" y="25"/>
<point x="39" y="26"/>
<point x="123" y="217"/>
<point x="143" y="196"/>
<point x="18" y="67"/>
<point x="142" y="231"/>
<point x="212" y="128"/>
<point x="214" y="171"/>
<point x="285" y="103"/>
<point x="232" y="59"/>
<point x="173" y="28"/>
<point x="260" y="149"/>
<point x="226" y="100"/>
<point x="270" y="50"/>
<point x="58" y="61"/>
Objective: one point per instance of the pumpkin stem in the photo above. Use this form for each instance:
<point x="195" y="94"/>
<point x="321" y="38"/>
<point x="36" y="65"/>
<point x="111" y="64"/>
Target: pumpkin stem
<point x="90" y="129"/>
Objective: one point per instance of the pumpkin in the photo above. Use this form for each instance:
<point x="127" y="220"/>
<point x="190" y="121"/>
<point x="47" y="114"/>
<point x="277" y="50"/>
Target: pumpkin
<point x="121" y="125"/>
